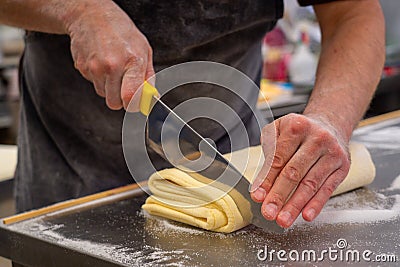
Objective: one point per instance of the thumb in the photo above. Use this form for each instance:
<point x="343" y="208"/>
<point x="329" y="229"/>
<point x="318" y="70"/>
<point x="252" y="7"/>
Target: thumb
<point x="132" y="81"/>
<point x="150" y="75"/>
<point x="132" y="101"/>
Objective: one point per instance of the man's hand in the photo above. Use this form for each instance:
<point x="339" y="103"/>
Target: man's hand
<point x="106" y="46"/>
<point x="311" y="157"/>
<point x="111" y="52"/>
<point x="310" y="161"/>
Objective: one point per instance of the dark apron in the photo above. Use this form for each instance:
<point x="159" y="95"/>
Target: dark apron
<point x="70" y="142"/>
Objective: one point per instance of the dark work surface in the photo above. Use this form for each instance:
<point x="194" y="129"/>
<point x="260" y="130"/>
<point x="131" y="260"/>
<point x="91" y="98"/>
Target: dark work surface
<point x="119" y="234"/>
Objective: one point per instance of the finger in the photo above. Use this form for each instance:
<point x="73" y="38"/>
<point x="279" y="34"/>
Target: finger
<point x="288" y="179"/>
<point x="99" y="88"/>
<point x="289" y="138"/>
<point x="82" y="67"/>
<point x="150" y="69"/>
<point x="307" y="188"/>
<point x="132" y="80"/>
<point x="315" y="205"/>
<point x="268" y="142"/>
<point x="268" y="139"/>
<point x="134" y="104"/>
<point x="95" y="73"/>
<point x="113" y="92"/>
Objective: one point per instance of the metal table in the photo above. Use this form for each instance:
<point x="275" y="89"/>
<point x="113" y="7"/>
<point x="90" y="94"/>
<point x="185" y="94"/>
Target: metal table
<point x="113" y="231"/>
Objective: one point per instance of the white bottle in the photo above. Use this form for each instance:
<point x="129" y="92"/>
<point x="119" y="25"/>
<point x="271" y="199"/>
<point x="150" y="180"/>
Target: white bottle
<point x="303" y="64"/>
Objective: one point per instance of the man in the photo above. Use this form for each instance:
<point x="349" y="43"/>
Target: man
<point x="70" y="143"/>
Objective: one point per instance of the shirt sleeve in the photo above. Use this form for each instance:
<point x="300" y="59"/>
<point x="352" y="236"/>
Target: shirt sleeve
<point x="313" y="2"/>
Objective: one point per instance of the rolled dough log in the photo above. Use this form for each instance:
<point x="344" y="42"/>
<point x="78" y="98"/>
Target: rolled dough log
<point x="173" y="192"/>
<point x="174" y="198"/>
<point x="8" y="161"/>
<point x="362" y="169"/>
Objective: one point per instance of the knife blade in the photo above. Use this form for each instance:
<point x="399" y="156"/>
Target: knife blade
<point x="181" y="145"/>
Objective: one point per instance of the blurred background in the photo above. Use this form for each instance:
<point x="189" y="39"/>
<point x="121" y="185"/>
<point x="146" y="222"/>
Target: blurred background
<point x="291" y="53"/>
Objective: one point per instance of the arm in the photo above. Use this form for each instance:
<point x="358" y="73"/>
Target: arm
<point x="311" y="157"/>
<point x="106" y="46"/>
<point x="351" y="62"/>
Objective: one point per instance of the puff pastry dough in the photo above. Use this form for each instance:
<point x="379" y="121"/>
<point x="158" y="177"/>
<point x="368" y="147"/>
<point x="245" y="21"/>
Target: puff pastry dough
<point x="173" y="192"/>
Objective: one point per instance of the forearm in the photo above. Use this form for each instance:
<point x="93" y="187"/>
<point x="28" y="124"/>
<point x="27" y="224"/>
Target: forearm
<point x="350" y="65"/>
<point x="51" y="16"/>
<point x="106" y="46"/>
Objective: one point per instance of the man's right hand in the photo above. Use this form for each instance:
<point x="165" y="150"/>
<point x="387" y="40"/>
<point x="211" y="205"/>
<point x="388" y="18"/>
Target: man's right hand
<point x="109" y="51"/>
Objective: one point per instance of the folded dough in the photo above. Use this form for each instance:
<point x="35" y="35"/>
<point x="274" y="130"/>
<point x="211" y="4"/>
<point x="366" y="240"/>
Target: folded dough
<point x="177" y="200"/>
<point x="180" y="197"/>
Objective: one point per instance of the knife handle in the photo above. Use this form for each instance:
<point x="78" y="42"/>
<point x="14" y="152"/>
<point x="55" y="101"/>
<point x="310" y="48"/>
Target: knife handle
<point x="146" y="100"/>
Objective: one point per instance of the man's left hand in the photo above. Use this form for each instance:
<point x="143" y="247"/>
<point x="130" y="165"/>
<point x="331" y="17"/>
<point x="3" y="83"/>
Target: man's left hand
<point x="311" y="159"/>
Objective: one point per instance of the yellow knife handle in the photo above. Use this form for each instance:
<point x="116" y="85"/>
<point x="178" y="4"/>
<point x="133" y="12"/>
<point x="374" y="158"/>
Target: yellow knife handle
<point x="146" y="100"/>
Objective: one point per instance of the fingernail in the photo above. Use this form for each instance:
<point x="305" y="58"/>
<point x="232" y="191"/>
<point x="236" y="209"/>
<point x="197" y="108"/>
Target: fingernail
<point x="271" y="210"/>
<point x="259" y="194"/>
<point x="311" y="214"/>
<point x="286" y="217"/>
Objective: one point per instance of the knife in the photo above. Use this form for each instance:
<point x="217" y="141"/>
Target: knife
<point x="192" y="152"/>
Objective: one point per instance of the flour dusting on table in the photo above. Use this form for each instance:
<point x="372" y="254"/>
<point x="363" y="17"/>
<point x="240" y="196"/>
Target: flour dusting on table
<point x="360" y="206"/>
<point x="147" y="256"/>
<point x="395" y="184"/>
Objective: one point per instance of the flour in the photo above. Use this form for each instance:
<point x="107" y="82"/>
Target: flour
<point x="158" y="225"/>
<point x="395" y="184"/>
<point x="147" y="256"/>
<point x="386" y="138"/>
<point x="356" y="207"/>
<point x="360" y="206"/>
<point x="125" y="255"/>
<point x="181" y="228"/>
